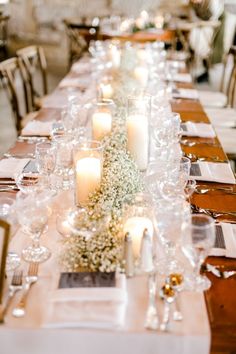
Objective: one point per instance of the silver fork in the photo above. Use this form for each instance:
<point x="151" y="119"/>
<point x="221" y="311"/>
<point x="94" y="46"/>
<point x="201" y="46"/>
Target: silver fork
<point x="16" y="285"/>
<point x="31" y="278"/>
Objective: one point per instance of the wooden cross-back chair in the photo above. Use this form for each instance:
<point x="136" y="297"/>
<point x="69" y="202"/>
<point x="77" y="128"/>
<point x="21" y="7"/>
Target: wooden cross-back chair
<point x="9" y="70"/>
<point x="33" y="58"/>
<point x="230" y="85"/>
<point x="4" y="36"/>
<point x="79" y="36"/>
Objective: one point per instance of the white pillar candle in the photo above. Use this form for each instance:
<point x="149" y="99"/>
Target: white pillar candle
<point x="101" y="125"/>
<point x="141" y="74"/>
<point x="114" y="56"/>
<point x="106" y="91"/>
<point x="88" y="178"/>
<point x="136" y="226"/>
<point x="138" y="139"/>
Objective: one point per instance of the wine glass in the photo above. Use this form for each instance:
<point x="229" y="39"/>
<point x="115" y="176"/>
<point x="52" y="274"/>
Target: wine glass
<point x="170" y="216"/>
<point x="197" y="240"/>
<point x="45" y="155"/>
<point x="32" y="213"/>
<point x="64" y="161"/>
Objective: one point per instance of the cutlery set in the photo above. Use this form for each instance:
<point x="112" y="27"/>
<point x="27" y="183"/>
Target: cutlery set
<point x="211" y="212"/>
<point x="16" y="285"/>
<point x="169" y="294"/>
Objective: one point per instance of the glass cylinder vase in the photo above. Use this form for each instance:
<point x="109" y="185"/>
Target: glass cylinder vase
<point x="138" y="219"/>
<point x="88" y="164"/>
<point x="137" y="125"/>
<point x="102" y="118"/>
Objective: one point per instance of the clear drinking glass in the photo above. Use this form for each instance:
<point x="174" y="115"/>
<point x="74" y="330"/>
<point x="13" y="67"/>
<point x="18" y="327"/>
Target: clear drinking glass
<point x="45" y="156"/>
<point x="170" y="216"/>
<point x="101" y="119"/>
<point x="32" y="212"/>
<point x="197" y="240"/>
<point x="64" y="160"/>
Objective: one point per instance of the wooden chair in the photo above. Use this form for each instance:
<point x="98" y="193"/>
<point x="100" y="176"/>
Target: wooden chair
<point x="8" y="71"/>
<point x="4" y="35"/>
<point x="31" y="59"/>
<point x="79" y="36"/>
<point x="224" y="97"/>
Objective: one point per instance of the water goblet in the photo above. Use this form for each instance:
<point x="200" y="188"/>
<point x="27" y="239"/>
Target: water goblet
<point x="64" y="146"/>
<point x="32" y="213"/>
<point x="197" y="240"/>
<point x="45" y="154"/>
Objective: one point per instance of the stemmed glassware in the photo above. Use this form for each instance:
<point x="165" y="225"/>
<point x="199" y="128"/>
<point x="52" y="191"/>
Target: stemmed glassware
<point x="197" y="240"/>
<point x="64" y="161"/>
<point x="45" y="155"/>
<point x="32" y="213"/>
<point x="170" y="218"/>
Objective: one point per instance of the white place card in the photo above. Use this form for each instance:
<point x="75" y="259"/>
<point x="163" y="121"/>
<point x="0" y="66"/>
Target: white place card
<point x="212" y="172"/>
<point x="200" y="130"/>
<point x="225" y="244"/>
<point x="182" y="77"/>
<point x="38" y="128"/>
<point x="189" y="94"/>
<point x="11" y="167"/>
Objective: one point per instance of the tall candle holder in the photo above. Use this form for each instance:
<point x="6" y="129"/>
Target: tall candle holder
<point x="137" y="125"/>
<point x="114" y="55"/>
<point x="102" y="118"/>
<point x="88" y="164"/>
<point x="138" y="220"/>
<point x="105" y="89"/>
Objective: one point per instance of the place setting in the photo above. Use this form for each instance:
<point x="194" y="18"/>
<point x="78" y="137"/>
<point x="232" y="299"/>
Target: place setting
<point x="118" y="224"/>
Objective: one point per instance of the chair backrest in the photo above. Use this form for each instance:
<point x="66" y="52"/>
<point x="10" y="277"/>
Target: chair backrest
<point x="8" y="72"/>
<point x="3" y="33"/>
<point x="79" y="36"/>
<point x="33" y="58"/>
<point x="4" y="239"/>
<point x="228" y="81"/>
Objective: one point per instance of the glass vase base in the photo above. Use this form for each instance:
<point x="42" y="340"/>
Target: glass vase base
<point x="36" y="254"/>
<point x="197" y="283"/>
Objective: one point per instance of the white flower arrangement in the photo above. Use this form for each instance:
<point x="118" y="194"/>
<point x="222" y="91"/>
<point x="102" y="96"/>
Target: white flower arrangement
<point x="121" y="177"/>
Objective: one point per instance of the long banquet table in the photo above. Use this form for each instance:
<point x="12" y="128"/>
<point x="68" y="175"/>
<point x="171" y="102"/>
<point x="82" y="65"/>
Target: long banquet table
<point x="220" y="299"/>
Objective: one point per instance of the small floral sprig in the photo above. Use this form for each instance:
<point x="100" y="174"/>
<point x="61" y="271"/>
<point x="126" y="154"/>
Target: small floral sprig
<point x="121" y="177"/>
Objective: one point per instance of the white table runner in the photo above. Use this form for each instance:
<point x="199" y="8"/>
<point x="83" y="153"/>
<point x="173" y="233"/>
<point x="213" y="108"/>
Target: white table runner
<point x="26" y="336"/>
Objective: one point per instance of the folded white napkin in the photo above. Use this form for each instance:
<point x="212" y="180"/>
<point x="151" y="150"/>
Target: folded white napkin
<point x="10" y="168"/>
<point x="81" y="68"/>
<point x="225" y="244"/>
<point x="182" y="77"/>
<point x="200" y="130"/>
<point x="190" y="94"/>
<point x="177" y="63"/>
<point x="82" y="83"/>
<point x="87" y="307"/>
<point x="212" y="172"/>
<point x="55" y="100"/>
<point x="36" y="127"/>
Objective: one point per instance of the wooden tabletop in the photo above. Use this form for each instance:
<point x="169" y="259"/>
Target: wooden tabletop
<point x="221" y="298"/>
<point x="163" y="35"/>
